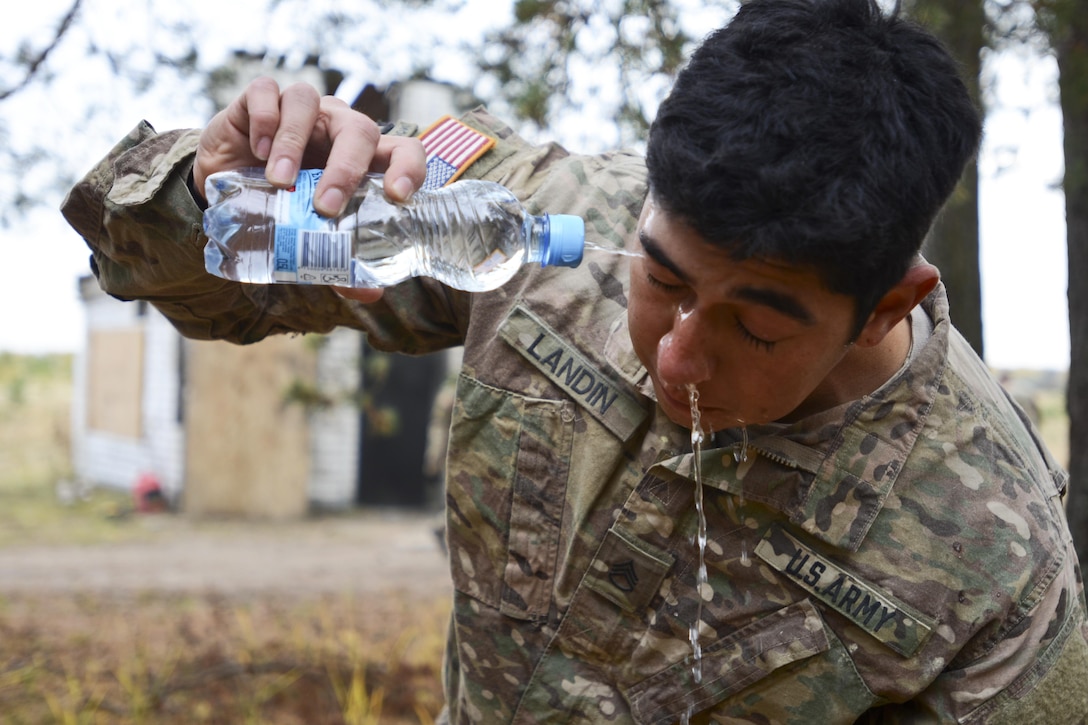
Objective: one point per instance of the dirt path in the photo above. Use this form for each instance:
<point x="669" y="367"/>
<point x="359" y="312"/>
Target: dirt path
<point x="333" y="619"/>
<point x="364" y="552"/>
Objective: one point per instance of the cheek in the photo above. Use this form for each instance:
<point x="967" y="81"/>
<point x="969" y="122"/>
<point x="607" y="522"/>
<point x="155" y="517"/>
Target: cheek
<point x="775" y="391"/>
<point x="647" y="324"/>
<point x="756" y="389"/>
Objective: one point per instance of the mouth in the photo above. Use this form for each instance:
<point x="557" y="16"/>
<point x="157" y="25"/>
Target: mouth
<point x="676" y="402"/>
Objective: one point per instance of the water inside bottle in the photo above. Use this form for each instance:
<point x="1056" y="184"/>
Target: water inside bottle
<point x="471" y="236"/>
<point x="455" y="237"/>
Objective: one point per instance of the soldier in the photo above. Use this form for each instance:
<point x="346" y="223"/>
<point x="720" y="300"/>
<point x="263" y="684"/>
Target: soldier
<point x="884" y="532"/>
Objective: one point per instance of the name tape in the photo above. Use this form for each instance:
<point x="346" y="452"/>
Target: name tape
<point x="565" y="366"/>
<point x="890" y="621"/>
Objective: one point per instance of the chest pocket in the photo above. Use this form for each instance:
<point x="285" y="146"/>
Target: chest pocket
<point x="785" y="667"/>
<point x="506" y="494"/>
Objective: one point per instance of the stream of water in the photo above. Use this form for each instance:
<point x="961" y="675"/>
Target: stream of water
<point x="702" y="584"/>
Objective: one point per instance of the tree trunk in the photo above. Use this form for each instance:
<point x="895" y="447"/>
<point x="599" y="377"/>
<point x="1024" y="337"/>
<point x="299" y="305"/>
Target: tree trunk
<point x="953" y="242"/>
<point x="1067" y="23"/>
<point x="953" y="246"/>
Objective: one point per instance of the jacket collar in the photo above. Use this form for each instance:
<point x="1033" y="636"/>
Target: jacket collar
<point x="830" y="473"/>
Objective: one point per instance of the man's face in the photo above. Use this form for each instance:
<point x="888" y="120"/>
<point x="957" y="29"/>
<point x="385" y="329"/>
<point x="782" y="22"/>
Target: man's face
<point x="757" y="339"/>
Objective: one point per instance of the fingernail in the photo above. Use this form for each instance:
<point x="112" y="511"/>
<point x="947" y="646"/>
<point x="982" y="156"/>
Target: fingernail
<point x="332" y="199"/>
<point x="264" y="147"/>
<point x="283" y="172"/>
<point x="402" y="188"/>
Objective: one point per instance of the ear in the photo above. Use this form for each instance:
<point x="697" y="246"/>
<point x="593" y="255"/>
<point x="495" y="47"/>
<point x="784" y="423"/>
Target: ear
<point x="915" y="286"/>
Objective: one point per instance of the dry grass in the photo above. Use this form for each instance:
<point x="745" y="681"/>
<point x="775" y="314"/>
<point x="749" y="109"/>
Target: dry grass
<point x="208" y="659"/>
<point x="35" y="444"/>
<point x="1054" y="423"/>
<point x="94" y="658"/>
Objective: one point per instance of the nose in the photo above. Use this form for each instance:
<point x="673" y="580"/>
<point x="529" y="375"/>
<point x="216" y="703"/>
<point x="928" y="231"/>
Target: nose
<point x="682" y="352"/>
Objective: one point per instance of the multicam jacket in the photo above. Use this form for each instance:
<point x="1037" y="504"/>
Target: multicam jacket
<point x="903" y="557"/>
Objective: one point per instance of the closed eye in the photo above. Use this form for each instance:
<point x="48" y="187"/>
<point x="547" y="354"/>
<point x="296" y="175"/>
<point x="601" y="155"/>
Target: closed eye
<point x="759" y="342"/>
<point x="663" y="286"/>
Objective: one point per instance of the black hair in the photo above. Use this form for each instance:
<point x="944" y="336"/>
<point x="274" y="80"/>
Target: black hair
<point x="821" y="133"/>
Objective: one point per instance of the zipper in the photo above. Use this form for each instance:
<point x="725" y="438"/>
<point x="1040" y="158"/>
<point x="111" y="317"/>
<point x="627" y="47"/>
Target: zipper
<point x="773" y="456"/>
<point x="787" y="453"/>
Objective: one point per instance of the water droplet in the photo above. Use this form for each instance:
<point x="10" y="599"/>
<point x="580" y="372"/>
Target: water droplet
<point x="740" y="451"/>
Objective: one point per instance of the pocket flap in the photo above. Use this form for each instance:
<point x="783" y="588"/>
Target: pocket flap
<point x="731" y="664"/>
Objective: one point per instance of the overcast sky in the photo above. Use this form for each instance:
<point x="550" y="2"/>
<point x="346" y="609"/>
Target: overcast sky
<point x="1022" y="213"/>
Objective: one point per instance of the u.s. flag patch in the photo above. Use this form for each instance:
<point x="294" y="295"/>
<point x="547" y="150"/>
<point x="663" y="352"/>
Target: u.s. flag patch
<point x="451" y="147"/>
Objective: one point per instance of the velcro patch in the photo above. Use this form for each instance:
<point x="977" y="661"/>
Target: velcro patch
<point x="627" y="572"/>
<point x="565" y="366"/>
<point x="451" y="147"/>
<point x="897" y="625"/>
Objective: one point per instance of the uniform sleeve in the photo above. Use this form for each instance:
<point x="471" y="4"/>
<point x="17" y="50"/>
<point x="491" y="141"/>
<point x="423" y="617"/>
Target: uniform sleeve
<point x="1037" y="671"/>
<point x="145" y="232"/>
<point x="1031" y="669"/>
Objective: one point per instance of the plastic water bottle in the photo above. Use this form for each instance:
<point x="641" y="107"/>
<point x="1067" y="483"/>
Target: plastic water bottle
<point x="472" y="235"/>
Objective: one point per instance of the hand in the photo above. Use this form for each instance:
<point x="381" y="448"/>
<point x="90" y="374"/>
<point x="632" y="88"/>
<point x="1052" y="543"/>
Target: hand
<point x="366" y="295"/>
<point x="296" y="128"/>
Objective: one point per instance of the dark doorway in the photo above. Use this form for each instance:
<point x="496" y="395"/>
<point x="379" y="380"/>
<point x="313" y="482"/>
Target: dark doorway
<point x="397" y="398"/>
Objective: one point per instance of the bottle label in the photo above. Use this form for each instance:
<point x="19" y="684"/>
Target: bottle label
<point x="307" y="250"/>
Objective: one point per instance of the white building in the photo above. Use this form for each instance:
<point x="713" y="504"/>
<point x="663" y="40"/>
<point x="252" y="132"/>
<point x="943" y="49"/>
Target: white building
<point x="225" y="429"/>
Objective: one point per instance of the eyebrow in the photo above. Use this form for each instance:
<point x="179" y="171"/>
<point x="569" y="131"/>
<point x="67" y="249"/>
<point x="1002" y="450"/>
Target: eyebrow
<point x="785" y="303"/>
<point x="655" y="252"/>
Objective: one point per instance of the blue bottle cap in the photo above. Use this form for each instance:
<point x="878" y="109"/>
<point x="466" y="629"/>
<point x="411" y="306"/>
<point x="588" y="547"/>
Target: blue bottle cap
<point x="566" y="240"/>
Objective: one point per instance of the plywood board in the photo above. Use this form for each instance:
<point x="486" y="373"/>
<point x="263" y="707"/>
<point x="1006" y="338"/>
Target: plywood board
<point x="247" y="446"/>
<point x="115" y="374"/>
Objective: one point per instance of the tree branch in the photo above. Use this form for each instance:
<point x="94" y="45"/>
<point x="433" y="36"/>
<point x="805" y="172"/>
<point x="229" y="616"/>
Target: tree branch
<point x="36" y="63"/>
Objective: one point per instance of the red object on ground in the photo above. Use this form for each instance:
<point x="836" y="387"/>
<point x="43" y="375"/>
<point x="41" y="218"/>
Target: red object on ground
<point x="147" y="494"/>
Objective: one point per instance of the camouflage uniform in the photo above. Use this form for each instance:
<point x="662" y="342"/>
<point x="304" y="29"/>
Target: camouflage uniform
<point x="901" y="557"/>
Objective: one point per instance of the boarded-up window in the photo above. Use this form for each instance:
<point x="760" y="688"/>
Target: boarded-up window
<point x="115" y="363"/>
<point x="247" y="448"/>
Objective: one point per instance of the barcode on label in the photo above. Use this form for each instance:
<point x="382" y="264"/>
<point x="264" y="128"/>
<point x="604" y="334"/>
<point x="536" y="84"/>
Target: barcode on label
<point x="324" y="256"/>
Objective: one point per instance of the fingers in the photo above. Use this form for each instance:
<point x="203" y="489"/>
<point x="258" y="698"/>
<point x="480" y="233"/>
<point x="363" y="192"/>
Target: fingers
<point x="239" y="135"/>
<point x="359" y="147"/>
<point x="353" y="138"/>
<point x="405" y="165"/>
<point x="285" y="130"/>
<point x="365" y="295"/>
<point x="257" y="115"/>
<point x="297" y="118"/>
